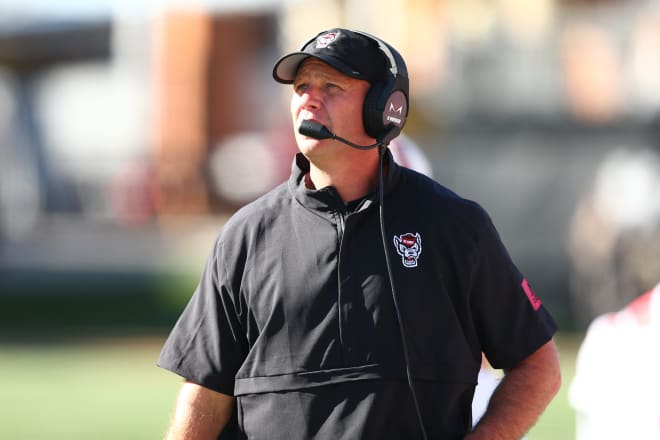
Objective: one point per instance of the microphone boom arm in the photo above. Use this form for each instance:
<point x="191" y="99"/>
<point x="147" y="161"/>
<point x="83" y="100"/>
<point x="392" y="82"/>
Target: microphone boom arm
<point x="320" y="132"/>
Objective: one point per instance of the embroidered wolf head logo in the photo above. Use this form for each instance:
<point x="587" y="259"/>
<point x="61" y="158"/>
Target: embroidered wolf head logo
<point x="324" y="40"/>
<point x="409" y="246"/>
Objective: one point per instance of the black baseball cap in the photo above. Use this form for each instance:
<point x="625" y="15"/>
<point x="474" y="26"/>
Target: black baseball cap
<point x="351" y="53"/>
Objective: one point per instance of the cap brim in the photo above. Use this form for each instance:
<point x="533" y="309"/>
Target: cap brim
<point x="285" y="68"/>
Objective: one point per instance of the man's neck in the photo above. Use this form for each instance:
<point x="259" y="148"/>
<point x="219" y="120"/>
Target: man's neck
<point x="351" y="180"/>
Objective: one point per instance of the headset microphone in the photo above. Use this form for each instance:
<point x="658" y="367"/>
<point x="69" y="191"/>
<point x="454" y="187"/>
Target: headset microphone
<point x="320" y="132"/>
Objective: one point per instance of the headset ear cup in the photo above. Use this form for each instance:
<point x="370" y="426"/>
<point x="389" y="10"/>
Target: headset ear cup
<point x="386" y="102"/>
<point x="374" y="105"/>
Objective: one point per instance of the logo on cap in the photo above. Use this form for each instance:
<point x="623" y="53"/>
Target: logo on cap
<point x="324" y="40"/>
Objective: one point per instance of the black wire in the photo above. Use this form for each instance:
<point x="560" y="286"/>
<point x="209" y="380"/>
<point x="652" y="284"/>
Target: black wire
<point x="406" y="358"/>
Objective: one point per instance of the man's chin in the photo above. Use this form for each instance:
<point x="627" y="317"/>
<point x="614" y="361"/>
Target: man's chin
<point x="308" y="145"/>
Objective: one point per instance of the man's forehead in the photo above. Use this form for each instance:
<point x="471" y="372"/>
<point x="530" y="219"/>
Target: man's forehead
<point x="314" y="66"/>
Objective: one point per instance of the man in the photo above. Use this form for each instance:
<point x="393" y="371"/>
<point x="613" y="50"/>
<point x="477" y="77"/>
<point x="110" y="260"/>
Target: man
<point x="296" y="331"/>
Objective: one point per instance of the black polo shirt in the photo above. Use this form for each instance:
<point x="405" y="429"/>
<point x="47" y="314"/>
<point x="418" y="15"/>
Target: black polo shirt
<point x="294" y="313"/>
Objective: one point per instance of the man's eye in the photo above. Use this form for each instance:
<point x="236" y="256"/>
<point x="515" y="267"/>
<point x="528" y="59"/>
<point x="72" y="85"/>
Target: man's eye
<point x="300" y="88"/>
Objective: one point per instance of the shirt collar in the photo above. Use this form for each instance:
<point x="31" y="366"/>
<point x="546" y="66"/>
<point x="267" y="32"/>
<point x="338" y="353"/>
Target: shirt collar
<point x="327" y="199"/>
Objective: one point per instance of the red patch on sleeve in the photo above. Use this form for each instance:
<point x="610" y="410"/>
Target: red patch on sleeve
<point x="531" y="296"/>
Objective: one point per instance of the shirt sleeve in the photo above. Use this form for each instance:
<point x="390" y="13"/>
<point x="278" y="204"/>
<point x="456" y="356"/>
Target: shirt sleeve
<point x="207" y="344"/>
<point x="509" y="317"/>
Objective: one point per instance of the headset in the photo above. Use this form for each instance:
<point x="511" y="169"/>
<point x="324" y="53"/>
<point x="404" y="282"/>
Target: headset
<point x="386" y="102"/>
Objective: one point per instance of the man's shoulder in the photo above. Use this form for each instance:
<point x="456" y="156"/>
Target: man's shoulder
<point x="260" y="211"/>
<point x="427" y="192"/>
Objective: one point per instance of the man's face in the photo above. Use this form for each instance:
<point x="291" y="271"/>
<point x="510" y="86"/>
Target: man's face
<point x="327" y="96"/>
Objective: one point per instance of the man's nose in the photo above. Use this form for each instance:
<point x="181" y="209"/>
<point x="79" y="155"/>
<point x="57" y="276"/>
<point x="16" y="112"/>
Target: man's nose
<point x="310" y="98"/>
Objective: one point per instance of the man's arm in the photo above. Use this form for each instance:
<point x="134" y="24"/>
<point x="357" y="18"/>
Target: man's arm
<point x="521" y="397"/>
<point x="200" y="413"/>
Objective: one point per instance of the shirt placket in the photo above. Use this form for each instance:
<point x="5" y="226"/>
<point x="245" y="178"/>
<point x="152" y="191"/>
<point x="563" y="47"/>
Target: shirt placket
<point x="347" y="291"/>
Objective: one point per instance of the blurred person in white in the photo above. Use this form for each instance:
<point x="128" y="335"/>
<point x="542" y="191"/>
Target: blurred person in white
<point x="407" y="153"/>
<point x="616" y="389"/>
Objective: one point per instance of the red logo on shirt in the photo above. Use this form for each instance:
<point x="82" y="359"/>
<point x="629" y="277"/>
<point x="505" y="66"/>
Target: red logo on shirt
<point x="409" y="246"/>
<point x="531" y="296"/>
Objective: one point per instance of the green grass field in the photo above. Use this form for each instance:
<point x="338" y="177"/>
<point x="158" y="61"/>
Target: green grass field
<point x="103" y="390"/>
<point x="111" y="389"/>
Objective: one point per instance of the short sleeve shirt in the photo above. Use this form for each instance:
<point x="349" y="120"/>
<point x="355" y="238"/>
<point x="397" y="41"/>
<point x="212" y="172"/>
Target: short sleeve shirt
<point x="294" y="313"/>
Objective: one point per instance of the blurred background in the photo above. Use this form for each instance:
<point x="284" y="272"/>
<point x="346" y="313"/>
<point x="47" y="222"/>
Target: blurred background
<point x="130" y="131"/>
